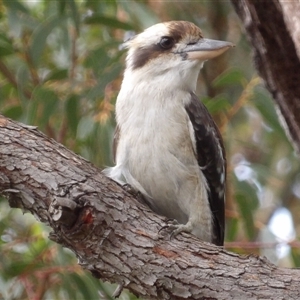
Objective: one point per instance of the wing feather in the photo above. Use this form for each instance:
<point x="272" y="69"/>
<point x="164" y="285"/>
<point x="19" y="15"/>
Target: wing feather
<point x="211" y="159"/>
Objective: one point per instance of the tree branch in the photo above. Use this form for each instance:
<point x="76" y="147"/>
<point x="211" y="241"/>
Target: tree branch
<point x="116" y="237"/>
<point x="270" y="27"/>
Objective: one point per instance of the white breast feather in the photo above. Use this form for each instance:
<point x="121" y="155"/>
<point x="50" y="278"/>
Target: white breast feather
<point x="156" y="151"/>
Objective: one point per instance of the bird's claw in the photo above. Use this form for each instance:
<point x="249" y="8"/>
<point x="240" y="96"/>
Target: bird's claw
<point x="175" y="228"/>
<point x="171" y="227"/>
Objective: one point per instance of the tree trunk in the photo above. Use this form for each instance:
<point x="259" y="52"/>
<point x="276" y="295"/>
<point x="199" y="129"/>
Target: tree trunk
<point x="116" y="237"/>
<point x="273" y="28"/>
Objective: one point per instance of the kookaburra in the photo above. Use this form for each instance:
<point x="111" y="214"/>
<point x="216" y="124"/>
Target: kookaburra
<point x="166" y="144"/>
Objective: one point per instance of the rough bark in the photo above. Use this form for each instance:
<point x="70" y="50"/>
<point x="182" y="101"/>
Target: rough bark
<point x="273" y="28"/>
<point x="116" y="237"/>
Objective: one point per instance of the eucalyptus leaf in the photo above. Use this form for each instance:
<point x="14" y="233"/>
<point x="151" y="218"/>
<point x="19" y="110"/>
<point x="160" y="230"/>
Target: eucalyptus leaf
<point x="107" y="21"/>
<point x="217" y="104"/>
<point x="229" y="77"/>
<point x="264" y="104"/>
<point x="39" y="37"/>
<point x="16" y="6"/>
<point x="74" y="13"/>
<point x="72" y="112"/>
<point x="85" y="127"/>
<point x="247" y="201"/>
<point x="45" y="104"/>
<point x="57" y="74"/>
<point x="6" y="47"/>
<point x="13" y="112"/>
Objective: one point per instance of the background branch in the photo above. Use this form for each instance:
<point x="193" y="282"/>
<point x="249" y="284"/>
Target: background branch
<point x="271" y="29"/>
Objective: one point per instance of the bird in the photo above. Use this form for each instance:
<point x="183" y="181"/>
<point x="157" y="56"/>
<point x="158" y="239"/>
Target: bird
<point x="166" y="144"/>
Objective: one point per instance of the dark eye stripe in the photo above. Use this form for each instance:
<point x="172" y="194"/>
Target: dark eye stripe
<point x="142" y="55"/>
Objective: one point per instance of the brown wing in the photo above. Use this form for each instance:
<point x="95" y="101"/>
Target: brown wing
<point x="211" y="159"/>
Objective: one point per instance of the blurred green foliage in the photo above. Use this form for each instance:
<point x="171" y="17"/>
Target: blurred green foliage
<point x="61" y="69"/>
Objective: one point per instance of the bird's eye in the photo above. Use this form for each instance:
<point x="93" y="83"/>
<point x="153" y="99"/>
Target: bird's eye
<point x="167" y="42"/>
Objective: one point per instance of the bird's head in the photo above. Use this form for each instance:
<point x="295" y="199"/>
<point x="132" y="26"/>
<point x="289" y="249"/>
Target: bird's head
<point x="170" y="49"/>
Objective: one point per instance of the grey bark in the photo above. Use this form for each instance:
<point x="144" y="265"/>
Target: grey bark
<point x="116" y="237"/>
<point x="273" y="29"/>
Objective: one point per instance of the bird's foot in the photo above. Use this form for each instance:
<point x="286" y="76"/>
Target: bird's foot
<point x="175" y="228"/>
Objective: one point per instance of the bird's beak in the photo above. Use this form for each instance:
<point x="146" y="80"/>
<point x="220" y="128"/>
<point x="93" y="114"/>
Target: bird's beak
<point x="206" y="49"/>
